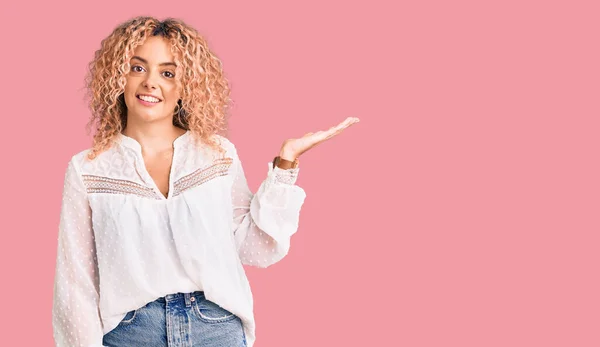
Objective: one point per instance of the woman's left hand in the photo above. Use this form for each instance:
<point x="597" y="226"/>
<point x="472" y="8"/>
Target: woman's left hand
<point x="293" y="148"/>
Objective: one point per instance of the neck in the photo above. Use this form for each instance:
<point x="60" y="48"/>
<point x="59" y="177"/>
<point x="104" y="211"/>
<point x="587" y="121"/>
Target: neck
<point x="153" y="138"/>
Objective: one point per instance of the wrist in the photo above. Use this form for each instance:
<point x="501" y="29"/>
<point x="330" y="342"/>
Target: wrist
<point x="285" y="163"/>
<point x="287" y="155"/>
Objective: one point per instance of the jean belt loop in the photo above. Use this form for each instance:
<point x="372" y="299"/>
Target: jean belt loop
<point x="188" y="302"/>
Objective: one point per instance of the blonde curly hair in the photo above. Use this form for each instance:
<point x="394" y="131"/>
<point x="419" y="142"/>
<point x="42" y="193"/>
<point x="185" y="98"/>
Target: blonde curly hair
<point x="204" y="104"/>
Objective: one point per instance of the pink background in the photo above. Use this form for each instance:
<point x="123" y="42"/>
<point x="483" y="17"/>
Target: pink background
<point x="463" y="210"/>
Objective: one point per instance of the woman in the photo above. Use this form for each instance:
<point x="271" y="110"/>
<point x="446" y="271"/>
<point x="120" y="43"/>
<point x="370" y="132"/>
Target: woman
<point x="157" y="218"/>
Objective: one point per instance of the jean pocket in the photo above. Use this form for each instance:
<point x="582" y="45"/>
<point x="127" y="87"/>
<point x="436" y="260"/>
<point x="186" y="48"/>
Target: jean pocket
<point x="129" y="318"/>
<point x="210" y="312"/>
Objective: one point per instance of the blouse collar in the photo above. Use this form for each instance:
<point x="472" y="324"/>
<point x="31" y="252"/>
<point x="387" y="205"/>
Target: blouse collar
<point x="130" y="142"/>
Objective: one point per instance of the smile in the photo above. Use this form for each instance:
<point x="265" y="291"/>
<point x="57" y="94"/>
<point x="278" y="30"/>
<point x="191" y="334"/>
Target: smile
<point x="147" y="98"/>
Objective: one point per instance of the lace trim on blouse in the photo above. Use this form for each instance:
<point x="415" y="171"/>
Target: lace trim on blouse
<point x="220" y="167"/>
<point x="98" y="184"/>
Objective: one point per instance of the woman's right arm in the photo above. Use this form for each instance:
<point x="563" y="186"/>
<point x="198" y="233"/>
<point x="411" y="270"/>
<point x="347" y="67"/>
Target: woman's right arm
<point x="75" y="315"/>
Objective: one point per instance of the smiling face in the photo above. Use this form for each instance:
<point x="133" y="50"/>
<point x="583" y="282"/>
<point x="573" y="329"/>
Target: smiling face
<point x="151" y="90"/>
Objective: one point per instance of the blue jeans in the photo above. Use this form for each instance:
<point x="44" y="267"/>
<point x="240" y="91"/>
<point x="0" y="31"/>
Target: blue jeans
<point x="178" y="320"/>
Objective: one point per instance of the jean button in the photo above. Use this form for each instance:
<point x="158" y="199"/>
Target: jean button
<point x="192" y="299"/>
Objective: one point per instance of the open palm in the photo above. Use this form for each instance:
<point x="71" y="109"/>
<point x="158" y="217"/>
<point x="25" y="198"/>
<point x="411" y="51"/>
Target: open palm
<point x="293" y="148"/>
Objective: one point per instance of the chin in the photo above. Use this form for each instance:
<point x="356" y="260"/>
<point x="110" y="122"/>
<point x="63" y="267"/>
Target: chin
<point x="148" y="117"/>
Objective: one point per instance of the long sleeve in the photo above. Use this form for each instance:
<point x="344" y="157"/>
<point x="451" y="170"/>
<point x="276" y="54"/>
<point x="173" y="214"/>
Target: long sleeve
<point x="265" y="222"/>
<point x="75" y="315"/>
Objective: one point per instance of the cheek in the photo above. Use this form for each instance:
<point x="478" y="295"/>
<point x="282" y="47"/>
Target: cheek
<point x="129" y="91"/>
<point x="130" y="84"/>
<point x="171" y="96"/>
<point x="130" y="98"/>
<point x="171" y="92"/>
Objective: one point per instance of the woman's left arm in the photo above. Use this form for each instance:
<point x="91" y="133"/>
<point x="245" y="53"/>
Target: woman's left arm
<point x="265" y="222"/>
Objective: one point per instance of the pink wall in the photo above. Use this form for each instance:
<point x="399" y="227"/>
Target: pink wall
<point x="463" y="210"/>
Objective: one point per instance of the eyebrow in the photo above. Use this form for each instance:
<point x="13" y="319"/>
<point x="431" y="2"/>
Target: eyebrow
<point x="146" y="62"/>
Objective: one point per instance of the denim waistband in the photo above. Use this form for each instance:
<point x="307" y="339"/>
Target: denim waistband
<point x="180" y="296"/>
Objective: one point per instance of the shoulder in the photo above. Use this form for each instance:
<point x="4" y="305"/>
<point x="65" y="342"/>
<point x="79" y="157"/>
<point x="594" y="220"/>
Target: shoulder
<point x="201" y="152"/>
<point x="227" y="145"/>
<point x="73" y="167"/>
<point x="78" y="159"/>
<point x="106" y="160"/>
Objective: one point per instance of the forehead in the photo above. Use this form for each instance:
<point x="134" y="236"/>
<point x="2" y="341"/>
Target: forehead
<point x="155" y="49"/>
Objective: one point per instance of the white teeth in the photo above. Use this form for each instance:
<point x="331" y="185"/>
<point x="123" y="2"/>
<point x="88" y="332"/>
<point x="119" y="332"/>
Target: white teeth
<point x="148" y="98"/>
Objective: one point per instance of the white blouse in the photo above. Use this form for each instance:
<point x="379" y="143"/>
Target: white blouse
<point x="122" y="244"/>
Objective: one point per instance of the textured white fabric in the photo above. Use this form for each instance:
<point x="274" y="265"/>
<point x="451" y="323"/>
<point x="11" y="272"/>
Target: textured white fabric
<point x="122" y="244"/>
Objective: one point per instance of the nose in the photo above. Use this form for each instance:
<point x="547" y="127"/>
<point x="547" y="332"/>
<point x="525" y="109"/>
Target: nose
<point x="150" y="85"/>
<point x="149" y="82"/>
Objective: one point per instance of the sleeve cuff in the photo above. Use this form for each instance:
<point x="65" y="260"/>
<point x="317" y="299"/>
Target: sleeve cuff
<point x="285" y="176"/>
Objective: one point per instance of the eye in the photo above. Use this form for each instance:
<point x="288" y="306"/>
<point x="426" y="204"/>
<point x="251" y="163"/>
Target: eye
<point x="137" y="68"/>
<point x="169" y="74"/>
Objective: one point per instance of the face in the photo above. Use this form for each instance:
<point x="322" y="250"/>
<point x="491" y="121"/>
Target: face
<point x="151" y="91"/>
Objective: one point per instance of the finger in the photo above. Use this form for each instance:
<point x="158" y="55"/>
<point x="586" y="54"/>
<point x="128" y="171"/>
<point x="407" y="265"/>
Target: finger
<point x="347" y="122"/>
<point x="338" y="128"/>
<point x="339" y="131"/>
<point x="350" y="120"/>
<point x="323" y="135"/>
<point x="342" y="125"/>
